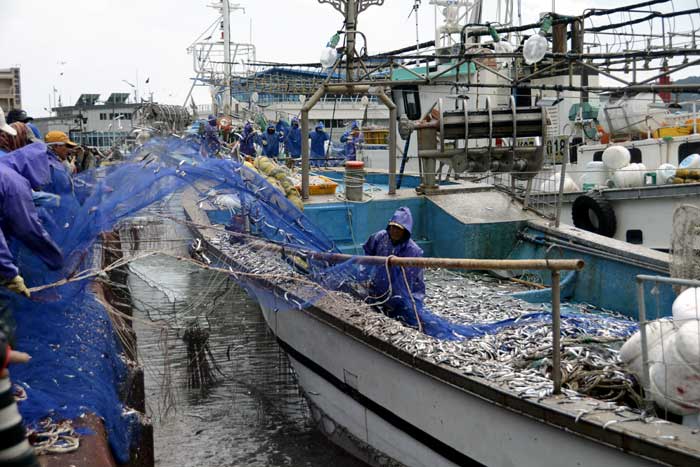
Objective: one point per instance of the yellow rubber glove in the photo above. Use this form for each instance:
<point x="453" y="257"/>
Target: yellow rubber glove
<point x="17" y="286"/>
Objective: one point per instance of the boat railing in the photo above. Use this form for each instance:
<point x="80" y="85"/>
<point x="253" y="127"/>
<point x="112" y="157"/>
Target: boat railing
<point x="543" y="192"/>
<point x="667" y="378"/>
<point x="554" y="266"/>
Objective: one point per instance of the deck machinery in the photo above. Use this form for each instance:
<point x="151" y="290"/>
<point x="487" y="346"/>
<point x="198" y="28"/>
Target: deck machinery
<point x="491" y="140"/>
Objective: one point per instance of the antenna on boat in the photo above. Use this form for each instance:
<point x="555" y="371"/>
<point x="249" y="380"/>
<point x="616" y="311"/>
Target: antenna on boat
<point x="215" y="56"/>
<point x="414" y="11"/>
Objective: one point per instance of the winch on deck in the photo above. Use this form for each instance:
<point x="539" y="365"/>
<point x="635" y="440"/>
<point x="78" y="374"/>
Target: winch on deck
<point x="494" y="133"/>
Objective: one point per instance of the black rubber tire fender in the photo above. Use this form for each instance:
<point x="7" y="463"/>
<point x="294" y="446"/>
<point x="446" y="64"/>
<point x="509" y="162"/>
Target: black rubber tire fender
<point x="593" y="203"/>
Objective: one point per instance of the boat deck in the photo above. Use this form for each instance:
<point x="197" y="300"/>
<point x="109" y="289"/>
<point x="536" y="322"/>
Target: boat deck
<point x="463" y="364"/>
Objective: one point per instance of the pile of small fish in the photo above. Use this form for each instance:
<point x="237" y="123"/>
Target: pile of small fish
<point x="517" y="357"/>
<point x="473" y="297"/>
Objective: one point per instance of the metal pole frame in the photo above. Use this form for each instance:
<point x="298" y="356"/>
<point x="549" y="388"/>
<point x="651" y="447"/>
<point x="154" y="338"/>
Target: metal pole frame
<point x="556" y="331"/>
<point x="349" y="89"/>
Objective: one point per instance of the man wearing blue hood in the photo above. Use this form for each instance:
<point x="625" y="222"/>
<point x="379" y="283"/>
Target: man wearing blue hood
<point x="248" y="140"/>
<point x="282" y="128"/>
<point x="352" y="138"/>
<point x="271" y="142"/>
<point x="318" y="141"/>
<point x="20" y="171"/>
<point x="212" y="142"/>
<point x="396" y="240"/>
<point x="293" y="140"/>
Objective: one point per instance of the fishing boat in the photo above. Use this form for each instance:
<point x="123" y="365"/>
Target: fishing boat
<point x="393" y="396"/>
<point x="391" y="393"/>
<point x="618" y="204"/>
<point x="470" y="69"/>
<point x="471" y="66"/>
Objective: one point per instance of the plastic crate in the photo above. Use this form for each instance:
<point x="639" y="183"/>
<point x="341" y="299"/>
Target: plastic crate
<point x="320" y="185"/>
<point x="376" y="136"/>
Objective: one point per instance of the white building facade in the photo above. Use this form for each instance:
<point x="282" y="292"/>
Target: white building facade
<point x="91" y="122"/>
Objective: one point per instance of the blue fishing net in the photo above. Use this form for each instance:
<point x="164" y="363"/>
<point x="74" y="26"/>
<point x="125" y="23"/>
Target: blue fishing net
<point x="77" y="364"/>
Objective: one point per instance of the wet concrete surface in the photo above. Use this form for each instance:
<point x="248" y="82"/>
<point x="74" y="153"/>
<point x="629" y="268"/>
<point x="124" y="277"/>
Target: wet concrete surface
<point x="253" y="414"/>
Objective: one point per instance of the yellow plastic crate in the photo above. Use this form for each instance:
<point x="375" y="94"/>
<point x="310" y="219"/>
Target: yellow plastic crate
<point x="320" y="185"/>
<point x="673" y="131"/>
<point x="376" y="136"/>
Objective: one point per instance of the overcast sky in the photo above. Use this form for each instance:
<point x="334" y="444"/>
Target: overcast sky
<point x="91" y="46"/>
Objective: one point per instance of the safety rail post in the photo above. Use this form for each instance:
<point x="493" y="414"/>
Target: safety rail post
<point x="386" y="100"/>
<point x="560" y="191"/>
<point x="305" y="149"/>
<point x="646" y="376"/>
<point x="556" y="331"/>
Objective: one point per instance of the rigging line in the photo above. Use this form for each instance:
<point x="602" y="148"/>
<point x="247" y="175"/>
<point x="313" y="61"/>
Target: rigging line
<point x="646" y="18"/>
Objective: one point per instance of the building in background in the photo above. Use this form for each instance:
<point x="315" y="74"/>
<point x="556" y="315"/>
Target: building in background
<point x="92" y="122"/>
<point x="10" y="89"/>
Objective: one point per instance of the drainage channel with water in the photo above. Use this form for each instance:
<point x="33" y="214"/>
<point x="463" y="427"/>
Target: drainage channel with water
<point x="252" y="413"/>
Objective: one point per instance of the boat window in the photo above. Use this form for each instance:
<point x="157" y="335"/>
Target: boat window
<point x="411" y="105"/>
<point x="635" y="156"/>
<point x="598" y="156"/>
<point x="523" y="96"/>
<point x="686" y="149"/>
<point x="635" y="237"/>
<point x="573" y="150"/>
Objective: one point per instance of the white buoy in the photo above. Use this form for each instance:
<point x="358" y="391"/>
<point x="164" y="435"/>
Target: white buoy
<point x="630" y="176"/>
<point x="674" y="364"/>
<point x="551" y="185"/>
<point x="616" y="157"/>
<point x="664" y="173"/>
<point x="686" y="305"/>
<point x="631" y="351"/>
<point x="595" y="175"/>
<point x="675" y="375"/>
<point x="690" y="162"/>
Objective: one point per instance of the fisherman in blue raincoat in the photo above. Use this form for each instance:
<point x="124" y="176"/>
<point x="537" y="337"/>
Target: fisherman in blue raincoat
<point x="292" y="142"/>
<point x="282" y="128"/>
<point x="212" y="142"/>
<point x="248" y="140"/>
<point x="318" y="148"/>
<point x="20" y="171"/>
<point x="396" y="240"/>
<point x="352" y="138"/>
<point x="271" y="142"/>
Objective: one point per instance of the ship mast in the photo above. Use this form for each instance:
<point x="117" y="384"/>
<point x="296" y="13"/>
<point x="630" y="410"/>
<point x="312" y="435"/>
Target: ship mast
<point x="351" y="9"/>
<point x="226" y="24"/>
<point x="214" y="57"/>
